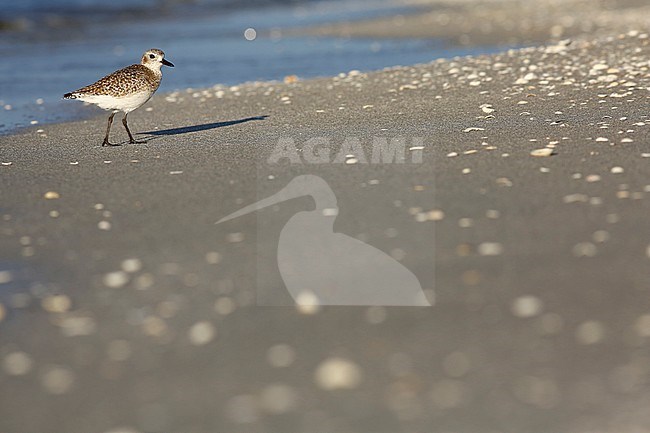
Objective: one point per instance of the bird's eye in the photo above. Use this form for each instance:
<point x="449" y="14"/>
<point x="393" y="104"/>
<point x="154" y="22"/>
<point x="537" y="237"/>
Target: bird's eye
<point x="151" y="56"/>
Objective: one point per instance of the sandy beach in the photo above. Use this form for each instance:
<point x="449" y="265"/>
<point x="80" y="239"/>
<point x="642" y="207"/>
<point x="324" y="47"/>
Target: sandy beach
<point x="521" y="205"/>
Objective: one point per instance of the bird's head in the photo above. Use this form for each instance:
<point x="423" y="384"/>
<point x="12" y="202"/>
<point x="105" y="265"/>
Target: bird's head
<point x="155" y="59"/>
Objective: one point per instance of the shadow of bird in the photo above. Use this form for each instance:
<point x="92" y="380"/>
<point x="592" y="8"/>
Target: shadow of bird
<point x="201" y="127"/>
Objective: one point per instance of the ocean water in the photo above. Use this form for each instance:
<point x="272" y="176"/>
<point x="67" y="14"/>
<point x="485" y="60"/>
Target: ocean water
<point x="66" y="44"/>
<point x="32" y="9"/>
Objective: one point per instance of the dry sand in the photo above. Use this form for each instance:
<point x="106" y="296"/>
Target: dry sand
<point x="540" y="266"/>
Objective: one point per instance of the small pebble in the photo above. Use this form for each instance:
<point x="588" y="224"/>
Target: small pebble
<point x="17" y="363"/>
<point x="116" y="279"/>
<point x="57" y="380"/>
<point x="542" y="152"/>
<point x="213" y="258"/>
<point x="131" y="265"/>
<point x="104" y="225"/>
<point x="601" y="236"/>
<point x="56" y="303"/>
<point x="473" y="129"/>
<point x="338" y="373"/>
<point x="6" y="277"/>
<point x="307" y="303"/>
<point x="585" y="249"/>
<point x="490" y="249"/>
<point x="201" y="333"/>
<point x="527" y="306"/>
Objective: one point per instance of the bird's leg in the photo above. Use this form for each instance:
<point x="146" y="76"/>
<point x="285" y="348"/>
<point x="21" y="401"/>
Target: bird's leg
<point x="108" y="130"/>
<point x="126" y="125"/>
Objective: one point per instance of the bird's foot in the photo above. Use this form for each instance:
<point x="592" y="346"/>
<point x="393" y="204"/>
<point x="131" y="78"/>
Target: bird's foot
<point x="133" y="141"/>
<point x="108" y="143"/>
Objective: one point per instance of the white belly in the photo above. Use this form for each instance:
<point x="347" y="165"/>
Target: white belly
<point x="124" y="103"/>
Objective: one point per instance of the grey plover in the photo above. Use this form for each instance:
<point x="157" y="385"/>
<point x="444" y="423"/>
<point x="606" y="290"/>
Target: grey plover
<point x="125" y="90"/>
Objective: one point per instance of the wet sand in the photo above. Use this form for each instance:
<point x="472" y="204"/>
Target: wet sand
<point x="498" y="22"/>
<point x="126" y="309"/>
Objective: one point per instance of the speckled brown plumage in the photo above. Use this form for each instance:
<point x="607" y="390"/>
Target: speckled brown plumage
<point x="132" y="79"/>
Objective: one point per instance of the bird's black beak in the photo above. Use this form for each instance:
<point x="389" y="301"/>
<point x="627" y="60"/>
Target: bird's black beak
<point x="166" y="63"/>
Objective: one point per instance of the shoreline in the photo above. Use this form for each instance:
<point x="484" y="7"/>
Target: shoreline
<point x="465" y="27"/>
<point x="218" y="91"/>
<point x="32" y="98"/>
<point x="88" y="111"/>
